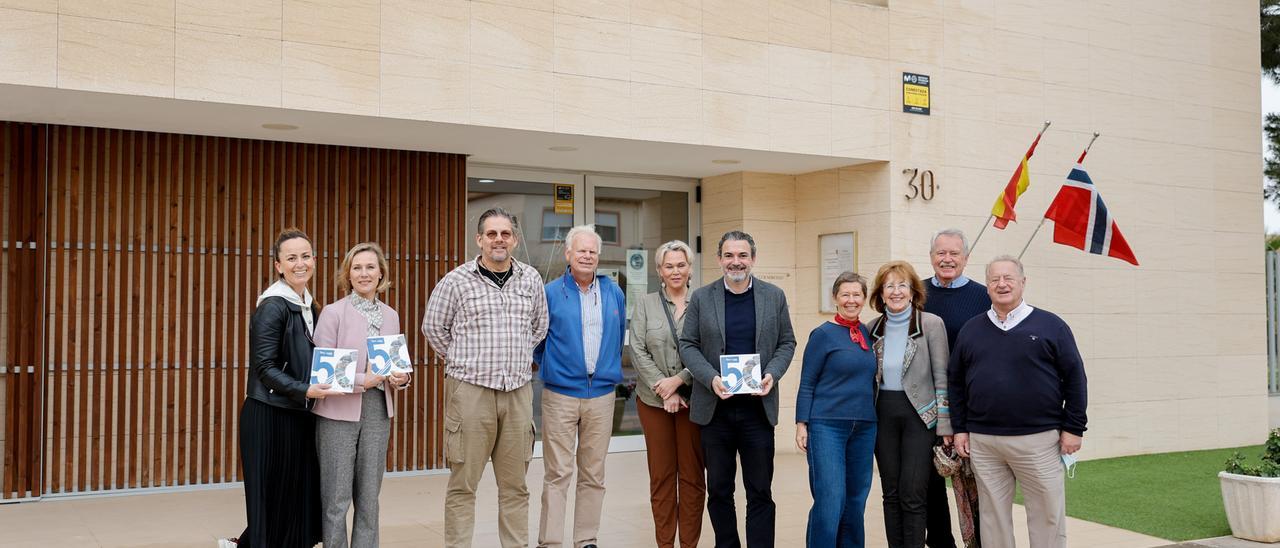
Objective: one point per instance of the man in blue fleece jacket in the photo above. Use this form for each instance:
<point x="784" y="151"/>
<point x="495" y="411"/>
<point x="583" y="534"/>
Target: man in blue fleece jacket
<point x="580" y="363"/>
<point x="1018" y="396"/>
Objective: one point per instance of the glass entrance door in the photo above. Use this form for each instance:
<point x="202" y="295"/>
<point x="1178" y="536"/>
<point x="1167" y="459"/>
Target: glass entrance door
<point x="633" y="217"/>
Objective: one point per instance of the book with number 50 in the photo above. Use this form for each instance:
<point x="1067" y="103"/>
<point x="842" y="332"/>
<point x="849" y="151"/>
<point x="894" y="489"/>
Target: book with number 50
<point x="389" y="354"/>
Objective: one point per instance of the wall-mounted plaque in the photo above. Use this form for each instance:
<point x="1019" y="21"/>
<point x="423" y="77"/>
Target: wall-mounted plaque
<point x="836" y="253"/>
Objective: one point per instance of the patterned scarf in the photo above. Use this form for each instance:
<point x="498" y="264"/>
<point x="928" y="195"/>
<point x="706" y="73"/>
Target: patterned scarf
<point x="371" y="311"/>
<point x="854" y="332"/>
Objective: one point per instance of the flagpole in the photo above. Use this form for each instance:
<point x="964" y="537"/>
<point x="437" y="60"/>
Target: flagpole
<point x="984" y="229"/>
<point x="993" y="215"/>
<point x="1042" y="219"/>
<point x="1033" y="236"/>
<point x="1080" y="160"/>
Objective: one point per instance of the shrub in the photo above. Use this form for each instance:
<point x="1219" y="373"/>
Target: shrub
<point x="1270" y="466"/>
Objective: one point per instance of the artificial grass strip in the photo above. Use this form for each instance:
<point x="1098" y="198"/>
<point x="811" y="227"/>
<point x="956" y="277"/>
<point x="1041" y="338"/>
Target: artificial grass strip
<point x="1174" y="496"/>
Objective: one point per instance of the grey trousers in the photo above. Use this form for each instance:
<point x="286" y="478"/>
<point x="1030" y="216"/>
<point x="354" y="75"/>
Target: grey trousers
<point x="353" y="458"/>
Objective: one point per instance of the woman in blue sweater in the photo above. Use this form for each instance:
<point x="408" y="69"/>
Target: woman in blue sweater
<point x="911" y="352"/>
<point x="836" y="418"/>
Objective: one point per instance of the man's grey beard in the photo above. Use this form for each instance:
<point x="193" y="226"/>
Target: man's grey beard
<point x="737" y="275"/>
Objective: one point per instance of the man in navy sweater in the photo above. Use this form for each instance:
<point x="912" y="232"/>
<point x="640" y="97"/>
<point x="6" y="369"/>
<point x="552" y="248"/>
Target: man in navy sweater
<point x="955" y="300"/>
<point x="1018" y="395"/>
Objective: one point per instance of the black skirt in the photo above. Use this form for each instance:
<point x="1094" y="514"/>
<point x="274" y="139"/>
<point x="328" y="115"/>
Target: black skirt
<point x="281" y="477"/>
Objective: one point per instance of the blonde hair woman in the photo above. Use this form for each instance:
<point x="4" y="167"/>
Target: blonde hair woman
<point x="352" y="429"/>
<point x="677" y="486"/>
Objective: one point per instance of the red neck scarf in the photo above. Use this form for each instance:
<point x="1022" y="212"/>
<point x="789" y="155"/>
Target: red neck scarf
<point x="854" y="332"/>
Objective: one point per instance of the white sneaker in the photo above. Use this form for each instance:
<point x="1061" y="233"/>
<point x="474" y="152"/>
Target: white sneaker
<point x="227" y="543"/>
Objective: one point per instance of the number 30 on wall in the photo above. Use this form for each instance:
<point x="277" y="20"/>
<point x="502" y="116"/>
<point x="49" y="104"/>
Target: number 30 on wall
<point x="921" y="184"/>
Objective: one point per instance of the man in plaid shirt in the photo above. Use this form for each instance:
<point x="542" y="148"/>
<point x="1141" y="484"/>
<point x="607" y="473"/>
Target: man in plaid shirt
<point x="485" y="317"/>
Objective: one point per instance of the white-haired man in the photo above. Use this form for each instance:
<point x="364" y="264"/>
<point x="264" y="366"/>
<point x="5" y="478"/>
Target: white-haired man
<point x="1018" y="397"/>
<point x="580" y="364"/>
<point x="953" y="297"/>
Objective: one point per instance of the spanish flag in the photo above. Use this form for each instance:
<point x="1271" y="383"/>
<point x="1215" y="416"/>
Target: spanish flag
<point x="1003" y="209"/>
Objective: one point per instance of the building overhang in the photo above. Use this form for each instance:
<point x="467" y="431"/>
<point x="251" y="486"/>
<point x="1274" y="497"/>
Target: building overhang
<point x="492" y="145"/>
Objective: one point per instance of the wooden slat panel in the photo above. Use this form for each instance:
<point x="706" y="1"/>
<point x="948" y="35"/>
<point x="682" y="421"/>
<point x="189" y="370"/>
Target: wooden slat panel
<point x="12" y="175"/>
<point x="134" y="356"/>
<point x="217" y="339"/>
<point x="83" y="218"/>
<point x="33" y="330"/>
<point x="157" y="249"/>
<point x="117" y="405"/>
<point x="435" y="250"/>
<point x="56" y="347"/>
<point x="149" y="278"/>
<point x="23" y="174"/>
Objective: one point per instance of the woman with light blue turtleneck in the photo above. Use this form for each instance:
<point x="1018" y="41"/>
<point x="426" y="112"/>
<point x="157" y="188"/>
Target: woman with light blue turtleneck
<point x="911" y="357"/>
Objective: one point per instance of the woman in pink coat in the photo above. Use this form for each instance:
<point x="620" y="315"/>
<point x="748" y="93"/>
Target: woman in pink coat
<point x="352" y="429"/>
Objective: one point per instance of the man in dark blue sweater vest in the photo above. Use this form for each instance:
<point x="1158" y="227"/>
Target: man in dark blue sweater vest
<point x="954" y="299"/>
<point x="1018" y="396"/>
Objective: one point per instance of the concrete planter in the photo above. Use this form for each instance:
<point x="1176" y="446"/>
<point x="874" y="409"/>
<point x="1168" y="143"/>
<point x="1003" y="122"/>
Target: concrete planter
<point x="1253" y="506"/>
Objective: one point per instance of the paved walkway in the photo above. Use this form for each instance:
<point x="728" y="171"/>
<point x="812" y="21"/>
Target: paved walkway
<point x="413" y="514"/>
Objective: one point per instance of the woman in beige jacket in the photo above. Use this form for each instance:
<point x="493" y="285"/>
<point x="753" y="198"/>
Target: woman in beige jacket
<point x="677" y="486"/>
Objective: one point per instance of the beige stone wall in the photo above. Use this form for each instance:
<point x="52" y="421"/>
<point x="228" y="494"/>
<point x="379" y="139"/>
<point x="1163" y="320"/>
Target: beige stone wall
<point x="1174" y="348"/>
<point x="761" y="74"/>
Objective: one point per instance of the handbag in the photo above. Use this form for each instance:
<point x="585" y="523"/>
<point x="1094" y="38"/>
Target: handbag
<point x="685" y="390"/>
<point x="946" y="461"/>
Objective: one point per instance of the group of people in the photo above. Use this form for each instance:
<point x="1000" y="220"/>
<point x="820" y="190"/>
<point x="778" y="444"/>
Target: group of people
<point x="944" y="364"/>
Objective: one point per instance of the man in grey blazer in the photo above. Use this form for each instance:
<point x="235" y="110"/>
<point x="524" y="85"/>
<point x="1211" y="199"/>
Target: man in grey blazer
<point x="737" y="314"/>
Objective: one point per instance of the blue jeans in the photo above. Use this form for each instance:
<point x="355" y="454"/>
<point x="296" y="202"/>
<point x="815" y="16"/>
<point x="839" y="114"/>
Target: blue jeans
<point x="840" y="454"/>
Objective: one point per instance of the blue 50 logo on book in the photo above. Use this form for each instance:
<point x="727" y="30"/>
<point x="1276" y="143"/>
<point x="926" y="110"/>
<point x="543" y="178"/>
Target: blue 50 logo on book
<point x="389" y="354"/>
<point x="335" y="367"/>
<point x="740" y="373"/>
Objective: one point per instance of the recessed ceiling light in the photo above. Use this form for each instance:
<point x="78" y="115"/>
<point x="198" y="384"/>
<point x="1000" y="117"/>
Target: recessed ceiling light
<point x="562" y="149"/>
<point x="280" y="127"/>
<point x="725" y="161"/>
<point x="485" y="181"/>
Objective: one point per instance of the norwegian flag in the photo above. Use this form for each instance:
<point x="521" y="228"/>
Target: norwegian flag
<point x="1081" y="220"/>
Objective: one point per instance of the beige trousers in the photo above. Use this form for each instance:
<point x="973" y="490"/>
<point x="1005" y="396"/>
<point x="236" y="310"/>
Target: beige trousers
<point x="588" y="424"/>
<point x="483" y="424"/>
<point x="1033" y="460"/>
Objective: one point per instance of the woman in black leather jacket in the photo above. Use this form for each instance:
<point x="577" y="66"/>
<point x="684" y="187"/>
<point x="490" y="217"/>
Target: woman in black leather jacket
<point x="277" y="432"/>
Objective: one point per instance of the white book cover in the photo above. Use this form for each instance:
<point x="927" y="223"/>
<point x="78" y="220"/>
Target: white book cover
<point x="740" y="373"/>
<point x="335" y="367"/>
<point x="389" y="354"/>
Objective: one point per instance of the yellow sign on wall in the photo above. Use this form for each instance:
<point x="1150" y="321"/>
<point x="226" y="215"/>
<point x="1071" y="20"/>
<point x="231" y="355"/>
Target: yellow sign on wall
<point x="915" y="93"/>
<point x="564" y="199"/>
